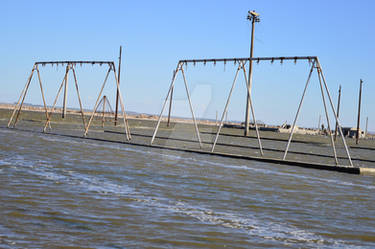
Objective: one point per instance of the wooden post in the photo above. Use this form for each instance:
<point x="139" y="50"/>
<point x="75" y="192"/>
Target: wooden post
<point x="338" y="110"/>
<point x="117" y="92"/>
<point x="359" y="110"/>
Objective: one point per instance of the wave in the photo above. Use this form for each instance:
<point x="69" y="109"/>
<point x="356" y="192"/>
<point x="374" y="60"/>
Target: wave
<point x="251" y="225"/>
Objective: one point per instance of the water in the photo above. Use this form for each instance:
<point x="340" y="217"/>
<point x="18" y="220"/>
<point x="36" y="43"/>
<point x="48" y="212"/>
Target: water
<point x="65" y="192"/>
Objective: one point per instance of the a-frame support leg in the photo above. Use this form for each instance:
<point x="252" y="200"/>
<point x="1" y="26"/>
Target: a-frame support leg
<point x="97" y="101"/>
<point x="298" y="110"/>
<point x="48" y="121"/>
<point x="79" y="98"/>
<point x="252" y="110"/>
<point x="327" y="117"/>
<point x="96" y="114"/>
<point x="42" y="92"/>
<point x="103" y="117"/>
<point x="170" y="109"/>
<point x="335" y="114"/>
<point x="65" y="92"/>
<point x="191" y="108"/>
<point x="22" y="96"/>
<point x="126" y="125"/>
<point x="226" y="108"/>
<point x="165" y="102"/>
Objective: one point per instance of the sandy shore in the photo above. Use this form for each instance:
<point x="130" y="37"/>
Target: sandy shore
<point x="140" y="116"/>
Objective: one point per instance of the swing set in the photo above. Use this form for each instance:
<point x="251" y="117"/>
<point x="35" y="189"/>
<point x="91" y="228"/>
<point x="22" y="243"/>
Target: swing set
<point x="315" y="66"/>
<point x="70" y="66"/>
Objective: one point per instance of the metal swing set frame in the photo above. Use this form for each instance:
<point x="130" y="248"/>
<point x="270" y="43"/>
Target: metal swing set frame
<point x="70" y="66"/>
<point x="315" y="64"/>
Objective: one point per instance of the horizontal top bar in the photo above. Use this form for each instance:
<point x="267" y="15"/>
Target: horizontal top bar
<point x="74" y="62"/>
<point x="251" y="59"/>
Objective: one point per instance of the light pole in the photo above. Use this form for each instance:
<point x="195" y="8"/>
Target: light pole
<point x="253" y="17"/>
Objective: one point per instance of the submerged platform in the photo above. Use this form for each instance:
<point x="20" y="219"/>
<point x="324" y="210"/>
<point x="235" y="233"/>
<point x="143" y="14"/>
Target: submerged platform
<point x="305" y="151"/>
<point x="311" y="165"/>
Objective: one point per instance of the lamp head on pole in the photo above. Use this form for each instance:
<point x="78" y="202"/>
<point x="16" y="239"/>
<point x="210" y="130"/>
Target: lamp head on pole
<point x="253" y="16"/>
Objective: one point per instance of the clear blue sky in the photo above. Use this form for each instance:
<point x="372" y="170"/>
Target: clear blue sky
<point x="156" y="34"/>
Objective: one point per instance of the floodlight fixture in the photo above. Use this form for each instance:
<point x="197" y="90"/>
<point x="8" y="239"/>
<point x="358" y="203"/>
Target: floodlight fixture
<point x="253" y="16"/>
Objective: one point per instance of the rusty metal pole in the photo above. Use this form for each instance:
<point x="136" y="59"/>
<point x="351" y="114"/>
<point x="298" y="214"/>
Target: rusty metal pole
<point x="253" y="17"/>
<point x="359" y="110"/>
<point x="65" y="91"/>
<point x="117" y="92"/>
<point x="338" y="110"/>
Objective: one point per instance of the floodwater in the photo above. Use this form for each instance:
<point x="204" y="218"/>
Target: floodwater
<point x="69" y="192"/>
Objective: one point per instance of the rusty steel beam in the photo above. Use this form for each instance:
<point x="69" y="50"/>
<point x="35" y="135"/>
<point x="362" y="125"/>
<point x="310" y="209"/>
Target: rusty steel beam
<point x="272" y="59"/>
<point x="73" y="62"/>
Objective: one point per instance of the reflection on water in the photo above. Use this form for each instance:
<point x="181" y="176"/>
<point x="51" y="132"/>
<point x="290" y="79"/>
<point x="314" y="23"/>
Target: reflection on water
<point x="58" y="191"/>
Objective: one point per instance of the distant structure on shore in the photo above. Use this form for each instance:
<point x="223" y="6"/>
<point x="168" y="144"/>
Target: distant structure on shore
<point x="349" y="132"/>
<point x="352" y="132"/>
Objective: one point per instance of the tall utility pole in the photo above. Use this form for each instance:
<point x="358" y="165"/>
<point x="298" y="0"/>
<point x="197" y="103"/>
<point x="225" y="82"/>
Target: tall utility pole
<point x="117" y="93"/>
<point x="338" y="110"/>
<point x="253" y="17"/>
<point x="359" y="109"/>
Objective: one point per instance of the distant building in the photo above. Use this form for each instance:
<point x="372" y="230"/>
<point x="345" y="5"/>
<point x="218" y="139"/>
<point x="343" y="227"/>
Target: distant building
<point x="352" y="132"/>
<point x="286" y="128"/>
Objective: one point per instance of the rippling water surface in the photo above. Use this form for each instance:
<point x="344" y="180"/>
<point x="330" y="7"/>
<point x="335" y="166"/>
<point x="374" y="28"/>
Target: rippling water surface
<point x="58" y="192"/>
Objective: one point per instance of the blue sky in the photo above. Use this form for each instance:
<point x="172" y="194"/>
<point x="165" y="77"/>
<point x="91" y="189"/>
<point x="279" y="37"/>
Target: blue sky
<point x="156" y="34"/>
